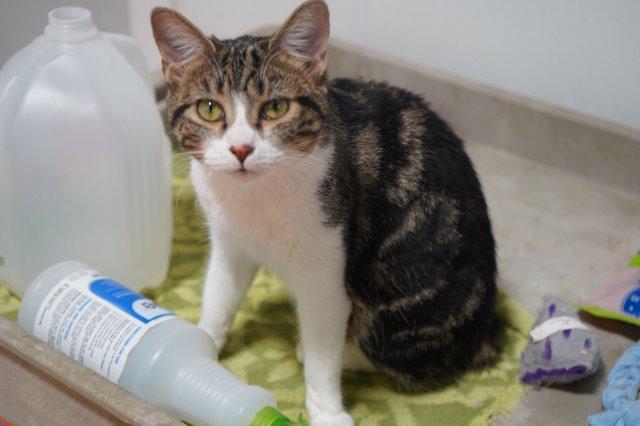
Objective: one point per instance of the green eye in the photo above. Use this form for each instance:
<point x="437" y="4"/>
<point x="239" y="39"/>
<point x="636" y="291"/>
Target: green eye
<point x="210" y="110"/>
<point x="275" y="108"/>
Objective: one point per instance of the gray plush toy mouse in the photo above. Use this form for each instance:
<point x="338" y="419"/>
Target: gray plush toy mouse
<point x="561" y="348"/>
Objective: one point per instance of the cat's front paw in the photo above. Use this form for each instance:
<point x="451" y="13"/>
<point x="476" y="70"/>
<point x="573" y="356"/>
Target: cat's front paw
<point x="340" y="419"/>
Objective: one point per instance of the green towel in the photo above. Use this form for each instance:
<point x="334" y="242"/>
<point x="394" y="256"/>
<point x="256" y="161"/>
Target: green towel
<point x="261" y="345"/>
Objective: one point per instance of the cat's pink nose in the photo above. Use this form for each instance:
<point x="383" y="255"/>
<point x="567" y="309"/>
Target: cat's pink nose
<point x="241" y="152"/>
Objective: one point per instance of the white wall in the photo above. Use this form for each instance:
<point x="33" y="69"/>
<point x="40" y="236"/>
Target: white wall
<point x="580" y="54"/>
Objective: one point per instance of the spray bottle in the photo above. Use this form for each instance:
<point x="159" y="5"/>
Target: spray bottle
<point x="140" y="346"/>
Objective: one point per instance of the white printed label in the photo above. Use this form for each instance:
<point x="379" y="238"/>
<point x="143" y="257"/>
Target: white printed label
<point x="96" y="321"/>
<point x="555" y="324"/>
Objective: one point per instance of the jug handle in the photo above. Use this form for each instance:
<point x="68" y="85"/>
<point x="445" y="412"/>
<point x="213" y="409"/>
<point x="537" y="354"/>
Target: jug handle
<point x="129" y="48"/>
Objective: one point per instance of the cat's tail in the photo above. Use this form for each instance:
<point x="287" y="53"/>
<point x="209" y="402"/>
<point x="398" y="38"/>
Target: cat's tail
<point x="489" y="347"/>
<point x="442" y="368"/>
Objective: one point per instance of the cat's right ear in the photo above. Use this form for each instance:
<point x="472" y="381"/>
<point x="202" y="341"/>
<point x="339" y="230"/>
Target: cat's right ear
<point x="179" y="41"/>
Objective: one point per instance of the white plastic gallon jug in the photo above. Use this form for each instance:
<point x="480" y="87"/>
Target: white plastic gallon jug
<point x="84" y="161"/>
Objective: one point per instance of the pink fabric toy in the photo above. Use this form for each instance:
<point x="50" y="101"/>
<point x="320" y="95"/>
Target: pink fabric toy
<point x="620" y="298"/>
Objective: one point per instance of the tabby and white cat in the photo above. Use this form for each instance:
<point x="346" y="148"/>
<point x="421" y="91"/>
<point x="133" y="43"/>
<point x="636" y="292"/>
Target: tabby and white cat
<point x="355" y="193"/>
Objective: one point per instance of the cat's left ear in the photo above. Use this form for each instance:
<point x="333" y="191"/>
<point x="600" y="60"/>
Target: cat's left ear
<point x="305" y="34"/>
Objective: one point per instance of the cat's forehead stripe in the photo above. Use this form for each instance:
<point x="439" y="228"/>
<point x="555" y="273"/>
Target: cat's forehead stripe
<point x="241" y="58"/>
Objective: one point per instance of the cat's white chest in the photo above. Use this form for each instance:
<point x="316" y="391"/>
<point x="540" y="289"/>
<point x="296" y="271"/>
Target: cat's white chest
<point x="274" y="226"/>
<point x="277" y="220"/>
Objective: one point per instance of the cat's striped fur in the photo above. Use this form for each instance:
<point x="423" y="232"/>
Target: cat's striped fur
<point x="421" y="257"/>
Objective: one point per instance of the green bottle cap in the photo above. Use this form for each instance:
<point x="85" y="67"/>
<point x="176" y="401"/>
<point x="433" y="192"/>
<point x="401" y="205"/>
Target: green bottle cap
<point x="269" y="416"/>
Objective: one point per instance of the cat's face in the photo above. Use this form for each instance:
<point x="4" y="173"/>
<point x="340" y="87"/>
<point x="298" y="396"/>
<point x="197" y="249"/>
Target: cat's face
<point x="244" y="105"/>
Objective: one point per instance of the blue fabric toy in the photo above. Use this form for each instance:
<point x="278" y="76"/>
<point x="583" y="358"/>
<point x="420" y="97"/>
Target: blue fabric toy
<point x="620" y="398"/>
